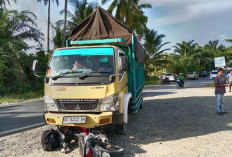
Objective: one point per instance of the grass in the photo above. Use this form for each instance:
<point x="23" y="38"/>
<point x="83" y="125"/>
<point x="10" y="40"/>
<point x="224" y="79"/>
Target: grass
<point x="21" y="97"/>
<point x="152" y="82"/>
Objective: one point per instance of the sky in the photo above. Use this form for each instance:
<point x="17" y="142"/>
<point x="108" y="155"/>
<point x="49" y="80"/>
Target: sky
<point x="179" y="20"/>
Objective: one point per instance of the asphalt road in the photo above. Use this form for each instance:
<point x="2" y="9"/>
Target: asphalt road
<point x="151" y="91"/>
<point x="197" y="83"/>
<point x="27" y="115"/>
<point x="20" y="116"/>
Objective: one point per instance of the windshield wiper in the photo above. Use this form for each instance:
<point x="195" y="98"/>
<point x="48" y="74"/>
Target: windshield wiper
<point x="86" y="75"/>
<point x="90" y="74"/>
<point x="63" y="74"/>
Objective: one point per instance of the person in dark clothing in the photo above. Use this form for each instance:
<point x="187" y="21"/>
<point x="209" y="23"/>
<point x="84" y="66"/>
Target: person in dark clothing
<point x="220" y="83"/>
<point x="181" y="78"/>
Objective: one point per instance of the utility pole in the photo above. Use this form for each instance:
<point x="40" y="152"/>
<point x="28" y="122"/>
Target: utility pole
<point x="48" y="30"/>
<point x="65" y="20"/>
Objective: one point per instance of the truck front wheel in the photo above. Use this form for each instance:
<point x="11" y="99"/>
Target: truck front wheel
<point x="141" y="105"/>
<point x="121" y="128"/>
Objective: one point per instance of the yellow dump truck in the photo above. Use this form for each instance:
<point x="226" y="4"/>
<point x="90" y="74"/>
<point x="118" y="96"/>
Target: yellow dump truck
<point x="97" y="79"/>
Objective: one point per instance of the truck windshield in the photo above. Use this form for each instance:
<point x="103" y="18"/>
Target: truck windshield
<point x="76" y="62"/>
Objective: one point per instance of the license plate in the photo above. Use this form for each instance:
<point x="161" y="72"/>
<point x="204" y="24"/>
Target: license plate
<point x="74" y="120"/>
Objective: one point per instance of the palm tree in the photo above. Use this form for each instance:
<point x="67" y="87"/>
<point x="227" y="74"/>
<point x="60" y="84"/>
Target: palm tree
<point x="185" y="57"/>
<point x="212" y="46"/>
<point x="16" y="29"/>
<point x="82" y="10"/>
<point x="3" y="3"/>
<point x="126" y="10"/>
<point x="140" y="20"/>
<point x="48" y="2"/>
<point x="229" y="40"/>
<point x="154" y="44"/>
<point x="155" y="57"/>
<point x="185" y="48"/>
<point x="222" y="48"/>
<point x="57" y="39"/>
<point x="205" y="60"/>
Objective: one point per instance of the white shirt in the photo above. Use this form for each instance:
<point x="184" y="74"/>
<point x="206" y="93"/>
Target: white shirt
<point x="230" y="77"/>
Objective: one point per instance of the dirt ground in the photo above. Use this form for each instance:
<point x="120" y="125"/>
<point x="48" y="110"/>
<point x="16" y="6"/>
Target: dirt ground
<point x="172" y="123"/>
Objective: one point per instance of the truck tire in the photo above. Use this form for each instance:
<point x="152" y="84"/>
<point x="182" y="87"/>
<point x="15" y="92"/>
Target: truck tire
<point x="121" y="128"/>
<point x="141" y="106"/>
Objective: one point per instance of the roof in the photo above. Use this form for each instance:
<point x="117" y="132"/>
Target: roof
<point x="102" y="25"/>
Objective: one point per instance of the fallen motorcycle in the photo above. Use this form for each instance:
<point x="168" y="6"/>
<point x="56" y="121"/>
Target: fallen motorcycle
<point x="92" y="143"/>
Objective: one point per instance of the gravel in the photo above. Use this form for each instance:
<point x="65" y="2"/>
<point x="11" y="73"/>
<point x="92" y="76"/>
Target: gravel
<point x="172" y="123"/>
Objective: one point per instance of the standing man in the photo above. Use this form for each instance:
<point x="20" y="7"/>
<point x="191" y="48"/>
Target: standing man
<point x="220" y="83"/>
<point x="229" y="78"/>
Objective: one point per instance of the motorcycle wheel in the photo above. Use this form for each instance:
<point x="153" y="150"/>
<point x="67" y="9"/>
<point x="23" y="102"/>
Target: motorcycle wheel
<point x="113" y="150"/>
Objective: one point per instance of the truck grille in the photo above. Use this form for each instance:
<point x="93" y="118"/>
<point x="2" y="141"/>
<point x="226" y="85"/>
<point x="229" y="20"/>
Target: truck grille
<point x="77" y="104"/>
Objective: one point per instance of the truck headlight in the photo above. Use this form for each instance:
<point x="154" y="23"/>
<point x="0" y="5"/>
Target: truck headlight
<point x="50" y="104"/>
<point x="110" y="103"/>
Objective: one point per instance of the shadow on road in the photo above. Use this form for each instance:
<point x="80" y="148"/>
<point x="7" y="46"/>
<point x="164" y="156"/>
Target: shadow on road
<point x="152" y="94"/>
<point x="9" y="107"/>
<point x="172" y="119"/>
<point x="171" y="86"/>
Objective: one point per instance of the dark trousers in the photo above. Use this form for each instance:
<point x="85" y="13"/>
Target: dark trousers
<point x="181" y="81"/>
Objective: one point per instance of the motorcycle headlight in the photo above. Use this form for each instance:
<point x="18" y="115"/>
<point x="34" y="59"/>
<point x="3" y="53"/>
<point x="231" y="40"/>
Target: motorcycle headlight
<point x="110" y="103"/>
<point x="50" y="104"/>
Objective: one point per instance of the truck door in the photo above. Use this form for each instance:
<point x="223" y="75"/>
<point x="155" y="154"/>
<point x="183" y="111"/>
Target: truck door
<point x="123" y="81"/>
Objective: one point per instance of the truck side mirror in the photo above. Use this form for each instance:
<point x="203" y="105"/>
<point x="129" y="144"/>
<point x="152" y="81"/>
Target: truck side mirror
<point x="35" y="66"/>
<point x="123" y="63"/>
<point x="112" y="78"/>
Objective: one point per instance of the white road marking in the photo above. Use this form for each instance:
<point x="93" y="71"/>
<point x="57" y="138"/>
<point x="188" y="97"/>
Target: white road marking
<point x="27" y="127"/>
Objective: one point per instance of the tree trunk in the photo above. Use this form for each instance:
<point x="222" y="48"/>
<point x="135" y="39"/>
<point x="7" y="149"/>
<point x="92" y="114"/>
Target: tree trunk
<point x="48" y="30"/>
<point x="65" y="20"/>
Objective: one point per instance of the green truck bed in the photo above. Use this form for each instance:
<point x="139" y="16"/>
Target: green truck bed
<point x="135" y="71"/>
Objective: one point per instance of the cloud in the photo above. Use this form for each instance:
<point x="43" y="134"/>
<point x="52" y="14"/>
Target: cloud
<point x="182" y="3"/>
<point x="223" y="37"/>
<point x="178" y="11"/>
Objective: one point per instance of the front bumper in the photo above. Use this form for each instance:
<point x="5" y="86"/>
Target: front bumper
<point x="92" y="120"/>
<point x="191" y="76"/>
<point x="171" y="79"/>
